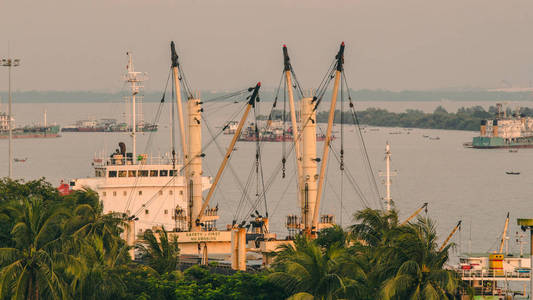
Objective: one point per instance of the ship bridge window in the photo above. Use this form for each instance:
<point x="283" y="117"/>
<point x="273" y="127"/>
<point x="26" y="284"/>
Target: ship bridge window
<point x="173" y="173"/>
<point x="132" y="173"/>
<point x="112" y="173"/>
<point x="153" y="173"/>
<point x="163" y="173"/>
<point x="143" y="173"/>
<point x="121" y="173"/>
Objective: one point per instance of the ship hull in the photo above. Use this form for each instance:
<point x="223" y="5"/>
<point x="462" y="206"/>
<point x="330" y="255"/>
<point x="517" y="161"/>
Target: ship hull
<point x="32" y="133"/>
<point x="480" y="142"/>
<point x="286" y="138"/>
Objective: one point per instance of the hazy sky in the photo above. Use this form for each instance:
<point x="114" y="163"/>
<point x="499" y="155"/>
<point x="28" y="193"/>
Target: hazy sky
<point x="226" y="44"/>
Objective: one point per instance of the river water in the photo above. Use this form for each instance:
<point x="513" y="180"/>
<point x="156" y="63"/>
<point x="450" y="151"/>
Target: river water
<point x="458" y="183"/>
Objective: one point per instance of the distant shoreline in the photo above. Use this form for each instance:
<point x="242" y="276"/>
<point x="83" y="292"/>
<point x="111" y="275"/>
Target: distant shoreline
<point x="269" y="95"/>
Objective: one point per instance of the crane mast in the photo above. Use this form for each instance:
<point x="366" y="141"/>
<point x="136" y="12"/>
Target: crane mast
<point x="327" y="141"/>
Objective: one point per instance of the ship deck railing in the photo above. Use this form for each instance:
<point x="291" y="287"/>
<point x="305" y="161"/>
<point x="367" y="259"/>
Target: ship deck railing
<point x="493" y="275"/>
<point x="151" y="160"/>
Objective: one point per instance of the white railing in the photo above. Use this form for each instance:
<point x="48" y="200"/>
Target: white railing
<point x="493" y="274"/>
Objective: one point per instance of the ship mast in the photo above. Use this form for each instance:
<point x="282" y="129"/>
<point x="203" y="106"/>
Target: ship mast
<point x="296" y="137"/>
<point x="388" y="198"/>
<point x="325" y="152"/>
<point x="309" y="162"/>
<point x="133" y="78"/>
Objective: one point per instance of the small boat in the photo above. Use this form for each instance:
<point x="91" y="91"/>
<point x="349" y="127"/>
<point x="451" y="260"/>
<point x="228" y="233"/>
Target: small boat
<point x="20" y="159"/>
<point x="512" y="173"/>
<point x="513" y="150"/>
<point x="435" y="138"/>
<point x="425" y="136"/>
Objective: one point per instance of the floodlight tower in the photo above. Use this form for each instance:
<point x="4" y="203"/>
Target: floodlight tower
<point x="10" y="62"/>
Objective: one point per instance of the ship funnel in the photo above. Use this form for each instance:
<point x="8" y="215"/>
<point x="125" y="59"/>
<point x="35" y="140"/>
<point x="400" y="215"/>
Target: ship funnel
<point x="483" y="128"/>
<point x="122" y="148"/>
<point x="495" y="128"/>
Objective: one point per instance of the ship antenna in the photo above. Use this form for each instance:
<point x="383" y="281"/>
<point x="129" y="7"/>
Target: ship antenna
<point x="133" y="78"/>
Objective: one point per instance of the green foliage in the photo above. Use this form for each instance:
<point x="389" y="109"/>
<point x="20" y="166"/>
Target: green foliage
<point x="65" y="247"/>
<point x="377" y="259"/>
<point x="161" y="253"/>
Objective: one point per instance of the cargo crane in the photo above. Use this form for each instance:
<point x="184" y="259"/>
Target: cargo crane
<point x="458" y="226"/>
<point x="424" y="206"/>
<point x="504" y="234"/>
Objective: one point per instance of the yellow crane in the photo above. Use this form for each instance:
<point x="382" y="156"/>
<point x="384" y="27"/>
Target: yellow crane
<point x="450" y="236"/>
<point x="504" y="234"/>
<point x="425" y="205"/>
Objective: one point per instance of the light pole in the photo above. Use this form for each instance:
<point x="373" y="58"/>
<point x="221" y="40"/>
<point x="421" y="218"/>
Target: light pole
<point x="526" y="224"/>
<point x="10" y="62"/>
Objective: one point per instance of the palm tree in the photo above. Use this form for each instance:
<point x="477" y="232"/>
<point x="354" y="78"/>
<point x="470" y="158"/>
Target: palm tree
<point x="375" y="226"/>
<point x="305" y="269"/>
<point x="29" y="268"/>
<point x="161" y="253"/>
<point x="99" y="278"/>
<point x="420" y="273"/>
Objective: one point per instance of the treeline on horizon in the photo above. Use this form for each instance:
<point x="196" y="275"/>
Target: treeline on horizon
<point x="268" y="95"/>
<point x="466" y="118"/>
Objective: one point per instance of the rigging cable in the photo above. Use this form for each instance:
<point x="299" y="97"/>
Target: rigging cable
<point x="365" y="151"/>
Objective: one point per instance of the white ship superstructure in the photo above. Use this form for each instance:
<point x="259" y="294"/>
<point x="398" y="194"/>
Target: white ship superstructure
<point x="150" y="191"/>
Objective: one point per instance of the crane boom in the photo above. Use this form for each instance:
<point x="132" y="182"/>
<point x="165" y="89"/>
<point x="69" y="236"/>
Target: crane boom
<point x="450" y="236"/>
<point x="504" y="234"/>
<point x="231" y="147"/>
<point x="425" y="205"/>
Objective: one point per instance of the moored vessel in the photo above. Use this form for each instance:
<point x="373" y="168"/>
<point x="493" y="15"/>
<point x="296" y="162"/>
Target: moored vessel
<point x="515" y="131"/>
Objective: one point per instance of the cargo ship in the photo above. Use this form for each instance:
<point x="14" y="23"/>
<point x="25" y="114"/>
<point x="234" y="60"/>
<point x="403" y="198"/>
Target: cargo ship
<point x="28" y="131"/>
<point x="275" y="132"/>
<point x="107" y="125"/>
<point x="515" y="131"/>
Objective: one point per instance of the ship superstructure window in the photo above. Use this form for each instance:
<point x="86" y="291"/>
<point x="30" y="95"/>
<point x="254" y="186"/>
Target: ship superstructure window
<point x="140" y="193"/>
<point x="143" y="173"/>
<point x="99" y="173"/>
<point x="112" y="173"/>
<point x="166" y="211"/>
<point x="114" y="193"/>
<point x="170" y="192"/>
<point x="146" y="211"/>
<point x="153" y="173"/>
<point x="124" y="193"/>
<point x="173" y="173"/>
<point x="132" y="173"/>
<point x="122" y="173"/>
<point x="163" y="173"/>
<point x="181" y="192"/>
<point x="104" y="194"/>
